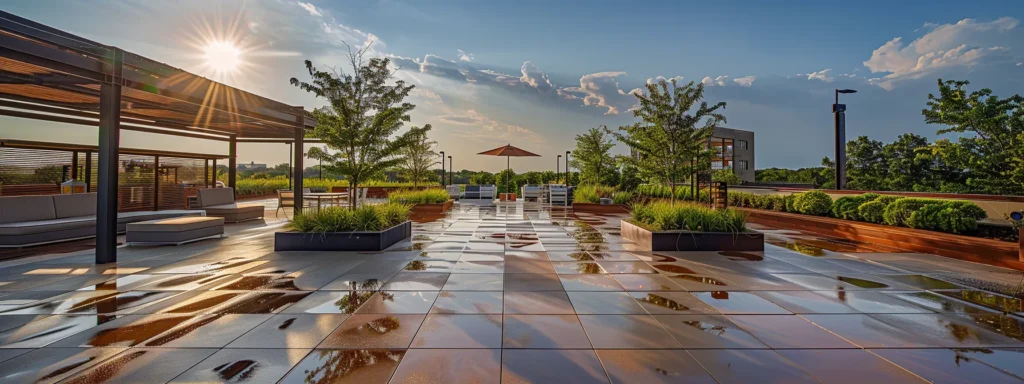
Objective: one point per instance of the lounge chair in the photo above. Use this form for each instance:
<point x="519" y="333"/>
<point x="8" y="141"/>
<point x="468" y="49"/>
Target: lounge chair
<point x="530" y="192"/>
<point x="559" y="194"/>
<point x="454" y="192"/>
<point x="220" y="202"/>
<point x="488" y="192"/>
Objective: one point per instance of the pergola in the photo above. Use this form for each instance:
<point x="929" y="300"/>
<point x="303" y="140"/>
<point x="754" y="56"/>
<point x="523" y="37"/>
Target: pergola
<point x="48" y="74"/>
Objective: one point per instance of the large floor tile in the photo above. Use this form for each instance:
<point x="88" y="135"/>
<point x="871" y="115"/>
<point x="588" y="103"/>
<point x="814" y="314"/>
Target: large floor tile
<point x="551" y="366"/>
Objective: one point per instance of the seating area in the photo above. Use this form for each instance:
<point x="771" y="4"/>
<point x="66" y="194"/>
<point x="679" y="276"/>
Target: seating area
<point x="36" y="220"/>
<point x="530" y="192"/>
<point x="557" y="194"/>
<point x="480" y="192"/>
<point x="177" y="231"/>
<point x="454" y="192"/>
<point x="220" y="202"/>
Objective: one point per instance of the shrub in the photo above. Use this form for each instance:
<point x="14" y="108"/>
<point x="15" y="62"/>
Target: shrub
<point x="340" y="219"/>
<point x="846" y="207"/>
<point x="664" y="216"/>
<point x="425" y="196"/>
<point x="899" y="211"/>
<point x="791" y="203"/>
<point x="887" y="199"/>
<point x="778" y="203"/>
<point x="959" y="216"/>
<point x="815" y="203"/>
<point x="592" y="193"/>
<point x="870" y="196"/>
<point x="622" y="197"/>
<point x="872" y="211"/>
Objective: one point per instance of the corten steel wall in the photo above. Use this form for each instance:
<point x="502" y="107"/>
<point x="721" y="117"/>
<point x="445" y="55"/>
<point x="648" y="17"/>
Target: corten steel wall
<point x="739" y="154"/>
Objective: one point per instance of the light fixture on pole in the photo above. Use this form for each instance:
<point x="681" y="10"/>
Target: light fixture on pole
<point x="442" y="168"/>
<point x="567" y="174"/>
<point x="839" y="114"/>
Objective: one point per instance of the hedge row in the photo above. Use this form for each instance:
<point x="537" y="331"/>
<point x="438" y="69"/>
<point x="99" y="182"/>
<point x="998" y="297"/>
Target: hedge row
<point x="951" y="216"/>
<point x="665" y="191"/>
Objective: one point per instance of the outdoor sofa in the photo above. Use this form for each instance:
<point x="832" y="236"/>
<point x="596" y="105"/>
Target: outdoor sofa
<point x="480" y="192"/>
<point x="454" y="191"/>
<point x="220" y="202"/>
<point x="36" y="220"/>
<point x="530" y="192"/>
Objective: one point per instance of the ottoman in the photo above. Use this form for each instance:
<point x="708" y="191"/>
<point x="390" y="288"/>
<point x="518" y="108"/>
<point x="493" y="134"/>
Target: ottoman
<point x="178" y="230"/>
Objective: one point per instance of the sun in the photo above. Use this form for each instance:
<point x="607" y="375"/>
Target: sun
<point x="222" y="56"/>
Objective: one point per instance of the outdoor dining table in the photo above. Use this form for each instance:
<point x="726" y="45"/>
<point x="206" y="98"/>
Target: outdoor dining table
<point x="321" y="196"/>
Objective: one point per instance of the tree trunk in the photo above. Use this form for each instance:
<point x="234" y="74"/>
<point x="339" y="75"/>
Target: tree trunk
<point x="353" y="192"/>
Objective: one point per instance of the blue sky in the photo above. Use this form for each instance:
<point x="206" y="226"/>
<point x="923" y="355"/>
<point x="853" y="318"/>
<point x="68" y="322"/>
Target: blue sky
<point x="535" y="73"/>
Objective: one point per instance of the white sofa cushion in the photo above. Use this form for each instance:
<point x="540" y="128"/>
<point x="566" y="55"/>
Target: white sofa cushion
<point x="74" y="205"/>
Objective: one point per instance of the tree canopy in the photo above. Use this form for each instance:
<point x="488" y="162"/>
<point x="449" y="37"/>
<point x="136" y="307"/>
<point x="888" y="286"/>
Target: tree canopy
<point x="592" y="157"/>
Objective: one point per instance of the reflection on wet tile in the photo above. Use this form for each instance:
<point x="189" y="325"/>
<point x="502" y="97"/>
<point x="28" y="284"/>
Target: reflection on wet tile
<point x="467" y="302"/>
<point x="48" y="330"/>
<point x="290" y="331"/>
<point x="987" y="300"/>
<point x="870" y="333"/>
<point x="948" y="330"/>
<point x="944" y="366"/>
<point x="537" y="303"/>
<point x="399" y="302"/>
<point x="532" y="282"/>
<point x="324" y="366"/>
<point x="474" y="282"/>
<point x="374" y="331"/>
<point x="125" y="331"/>
<point x="243" y="365"/>
<point x="816" y="282"/>
<point x="142" y="365"/>
<point x="459" y="331"/>
<point x="604" y="303"/>
<point x="449" y="366"/>
<point x="626" y="266"/>
<point x="750" y="366"/>
<point x="707" y="331"/>
<point x="921" y="281"/>
<point x="626" y="331"/>
<point x="207" y="331"/>
<point x="577" y="267"/>
<point x="410" y="281"/>
<point x="937" y="303"/>
<point x="652" y="366"/>
<point x="1007" y="360"/>
<point x="69" y="303"/>
<point x="544" y="332"/>
<point x="671" y="303"/>
<point x="788" y="332"/>
<point x="589" y="283"/>
<point x="470" y="266"/>
<point x="872" y="302"/>
<point x="646" y="282"/>
<point x="849" y="366"/>
<point x="569" y="256"/>
<point x="739" y="303"/>
<point x="430" y="266"/>
<point x="331" y="302"/>
<point x="51" y="365"/>
<point x="10" y="353"/>
<point x="807" y="302"/>
<point x="539" y="365"/>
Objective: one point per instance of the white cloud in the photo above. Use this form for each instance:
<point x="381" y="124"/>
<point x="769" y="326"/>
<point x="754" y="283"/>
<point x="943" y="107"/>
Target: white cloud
<point x="720" y="81"/>
<point x="745" y="81"/>
<point x="947" y="45"/>
<point x="533" y="77"/>
<point x="602" y="90"/>
<point x="310" y="8"/>
<point x="652" y="80"/>
<point x="438" y="66"/>
<point x="464" y="56"/>
<point x="1020" y="63"/>
<point x="488" y="130"/>
<point x="823" y="75"/>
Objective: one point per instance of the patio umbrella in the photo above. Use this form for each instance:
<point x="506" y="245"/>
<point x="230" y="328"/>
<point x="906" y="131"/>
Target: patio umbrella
<point x="508" y="151"/>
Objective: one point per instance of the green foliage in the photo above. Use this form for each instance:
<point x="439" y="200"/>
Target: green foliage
<point x="846" y="207"/>
<point x="592" y="193"/>
<point x="268" y="186"/>
<point x="726" y="175"/>
<point x="899" y="211"/>
<point x="815" y="203"/>
<point x="339" y="219"/>
<point x="419" y="157"/>
<point x="360" y="124"/>
<point x="425" y="196"/>
<point x="872" y="211"/>
<point x="665" y="216"/>
<point x="670" y="141"/>
<point x="947" y="216"/>
<point x="623" y="197"/>
<point x="630" y="178"/>
<point x="506" y="181"/>
<point x="593" y="158"/>
<point x="871" y="196"/>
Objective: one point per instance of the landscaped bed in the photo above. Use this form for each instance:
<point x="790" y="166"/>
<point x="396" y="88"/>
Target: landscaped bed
<point x="588" y="199"/>
<point x="367" y="228"/>
<point x="664" y="226"/>
<point x="433" y="200"/>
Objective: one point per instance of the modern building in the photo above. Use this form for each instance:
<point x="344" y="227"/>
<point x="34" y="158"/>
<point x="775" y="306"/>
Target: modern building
<point x="733" y="149"/>
<point x="252" y="166"/>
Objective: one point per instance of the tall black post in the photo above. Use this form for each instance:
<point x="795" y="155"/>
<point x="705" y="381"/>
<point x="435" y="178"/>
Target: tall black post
<point x="156" y="183"/>
<point x="74" y="165"/>
<point x="291" y="170"/>
<point x="109" y="142"/>
<point x="213" y="163"/>
<point x="442" y="169"/>
<point x="88" y="171"/>
<point x="232" y="162"/>
<point x="839" y="113"/>
<point x="568" y="174"/>
<point x="297" y="174"/>
<point x="206" y="173"/>
<point x="451" y="171"/>
<point x="558" y="165"/>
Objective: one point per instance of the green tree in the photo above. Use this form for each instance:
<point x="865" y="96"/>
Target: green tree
<point x="726" y="175"/>
<point x="992" y="153"/>
<point x="592" y="156"/>
<point x="419" y="157"/>
<point x="670" y="141"/>
<point x="361" y="122"/>
<point x="866" y="166"/>
<point x="910" y="164"/>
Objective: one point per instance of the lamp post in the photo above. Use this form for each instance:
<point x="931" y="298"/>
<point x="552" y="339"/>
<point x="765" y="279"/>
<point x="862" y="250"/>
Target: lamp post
<point x="839" y="114"/>
<point x="567" y="174"/>
<point x="442" y="168"/>
<point x="558" y="165"/>
<point x="451" y="171"/>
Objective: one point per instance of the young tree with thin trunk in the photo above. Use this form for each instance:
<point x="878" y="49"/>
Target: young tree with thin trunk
<point x="671" y="140"/>
<point x="419" y="157"/>
<point x="361" y="122"/>
<point x="593" y="156"/>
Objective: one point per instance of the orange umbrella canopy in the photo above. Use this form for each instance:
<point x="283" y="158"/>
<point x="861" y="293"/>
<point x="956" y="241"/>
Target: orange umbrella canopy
<point x="509" y="150"/>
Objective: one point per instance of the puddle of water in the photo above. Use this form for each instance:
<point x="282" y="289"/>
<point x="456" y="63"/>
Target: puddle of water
<point x="733" y="255"/>
<point x="672" y="268"/>
<point x="238" y="371"/>
<point x="264" y="302"/>
<point x="663" y="302"/>
<point x="986" y="299"/>
<point x="700" y="279"/>
<point x="921" y="281"/>
<point x="713" y="329"/>
<point x="863" y="283"/>
<point x="136" y="332"/>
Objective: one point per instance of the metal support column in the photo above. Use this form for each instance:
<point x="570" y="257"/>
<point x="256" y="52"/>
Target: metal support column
<point x="156" y="183"/>
<point x="109" y="141"/>
<point x="297" y="176"/>
<point x="88" y="172"/>
<point x="839" y="112"/>
<point x="206" y="173"/>
<point x="291" y="170"/>
<point x="74" y="165"/>
<point x="232" y="162"/>
<point x="213" y="163"/>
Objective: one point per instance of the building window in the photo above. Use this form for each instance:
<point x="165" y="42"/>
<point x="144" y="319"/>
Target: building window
<point x="741" y="164"/>
<point x="741" y="144"/>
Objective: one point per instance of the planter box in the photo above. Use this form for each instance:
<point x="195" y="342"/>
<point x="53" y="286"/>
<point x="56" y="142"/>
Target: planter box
<point x="432" y="208"/>
<point x="507" y="197"/>
<point x="692" y="241"/>
<point x="342" y="241"/>
<point x="599" y="208"/>
<point x="980" y="250"/>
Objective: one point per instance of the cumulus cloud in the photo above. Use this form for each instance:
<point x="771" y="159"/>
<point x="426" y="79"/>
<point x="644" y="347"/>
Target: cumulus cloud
<point x="963" y="44"/>
<point x="478" y="127"/>
<point x="720" y="81"/>
<point x="745" y="81"/>
<point x="652" y="80"/>
<point x="464" y="56"/>
<point x="310" y="8"/>
<point x="438" y="66"/>
<point x="823" y="75"/>
<point x="533" y="77"/>
<point x="602" y="90"/>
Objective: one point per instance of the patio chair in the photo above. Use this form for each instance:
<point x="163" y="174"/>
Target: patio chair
<point x="559" y="195"/>
<point x="454" y="192"/>
<point x="285" y="199"/>
<point x="488" y="192"/>
<point x="472" y="192"/>
<point x="530" y="192"/>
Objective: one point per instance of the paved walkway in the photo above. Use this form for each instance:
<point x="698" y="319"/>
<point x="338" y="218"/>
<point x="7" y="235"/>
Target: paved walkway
<point x="510" y="293"/>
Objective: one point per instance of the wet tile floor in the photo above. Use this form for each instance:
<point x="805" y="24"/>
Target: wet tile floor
<point x="509" y="293"/>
